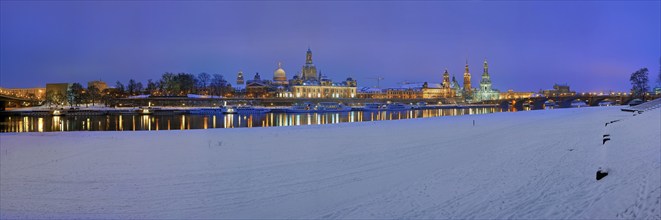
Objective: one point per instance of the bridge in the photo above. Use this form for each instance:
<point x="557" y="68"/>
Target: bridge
<point x="563" y="101"/>
<point x="7" y="101"/>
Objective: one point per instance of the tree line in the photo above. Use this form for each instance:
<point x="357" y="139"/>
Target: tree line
<point x="170" y="84"/>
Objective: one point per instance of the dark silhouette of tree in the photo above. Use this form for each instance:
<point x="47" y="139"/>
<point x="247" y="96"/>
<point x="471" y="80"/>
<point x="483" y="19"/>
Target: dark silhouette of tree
<point x="139" y="88"/>
<point x="151" y="87"/>
<point x="93" y="94"/>
<point x="639" y="82"/>
<point x="75" y="94"/>
<point x="187" y="83"/>
<point x="169" y="84"/>
<point x="119" y="88"/>
<point x="203" y="80"/>
<point x="107" y="95"/>
<point x="218" y="85"/>
<point x="85" y="98"/>
<point x="131" y="87"/>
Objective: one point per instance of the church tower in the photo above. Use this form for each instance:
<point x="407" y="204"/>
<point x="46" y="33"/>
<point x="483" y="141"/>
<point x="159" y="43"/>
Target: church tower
<point x="239" y="78"/>
<point x="309" y="71"/>
<point x="467" y="79"/>
<point x="446" y="79"/>
<point x="485" y="83"/>
<point x="308" y="57"/>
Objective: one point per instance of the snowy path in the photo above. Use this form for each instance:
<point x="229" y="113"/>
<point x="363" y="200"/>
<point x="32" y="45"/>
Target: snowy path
<point x="538" y="164"/>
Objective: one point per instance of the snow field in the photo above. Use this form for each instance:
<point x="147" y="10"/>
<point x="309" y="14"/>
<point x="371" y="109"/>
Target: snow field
<point x="536" y="164"/>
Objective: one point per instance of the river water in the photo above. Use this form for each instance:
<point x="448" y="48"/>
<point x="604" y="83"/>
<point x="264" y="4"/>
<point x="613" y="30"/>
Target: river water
<point x="210" y="121"/>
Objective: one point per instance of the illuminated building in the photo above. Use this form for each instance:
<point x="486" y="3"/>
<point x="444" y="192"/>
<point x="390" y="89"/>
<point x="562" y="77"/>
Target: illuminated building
<point x="279" y="76"/>
<point x="56" y="93"/>
<point x="443" y="90"/>
<point x="98" y="84"/>
<point x="346" y="89"/>
<point x="485" y="91"/>
<point x="239" y="78"/>
<point x="26" y="93"/>
<point x="467" y="82"/>
<point x="558" y="90"/>
<point x="511" y="94"/>
<point x="455" y="86"/>
<point x="370" y="93"/>
<point x="311" y="85"/>
<point x="306" y="84"/>
<point x="446" y="79"/>
<point x="309" y="71"/>
<point x="258" y="88"/>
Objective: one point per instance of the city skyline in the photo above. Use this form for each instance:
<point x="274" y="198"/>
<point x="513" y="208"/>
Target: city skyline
<point x="593" y="46"/>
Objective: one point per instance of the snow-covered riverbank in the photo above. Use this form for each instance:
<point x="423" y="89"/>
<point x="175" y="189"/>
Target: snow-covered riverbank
<point x="536" y="164"/>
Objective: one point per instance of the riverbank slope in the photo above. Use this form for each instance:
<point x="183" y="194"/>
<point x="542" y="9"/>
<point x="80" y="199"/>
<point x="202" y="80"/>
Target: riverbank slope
<point x="535" y="164"/>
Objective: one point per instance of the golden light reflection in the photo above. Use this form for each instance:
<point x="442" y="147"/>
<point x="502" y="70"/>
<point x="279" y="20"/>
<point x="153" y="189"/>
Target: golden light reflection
<point x="214" y="121"/>
<point x="121" y="123"/>
<point x="146" y="122"/>
<point x="40" y="124"/>
<point x="205" y="122"/>
<point x="183" y="122"/>
<point x="57" y="124"/>
<point x="116" y="122"/>
<point x="25" y="124"/>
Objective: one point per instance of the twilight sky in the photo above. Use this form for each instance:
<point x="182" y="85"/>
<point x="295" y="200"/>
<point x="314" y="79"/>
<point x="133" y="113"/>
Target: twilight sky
<point x="592" y="46"/>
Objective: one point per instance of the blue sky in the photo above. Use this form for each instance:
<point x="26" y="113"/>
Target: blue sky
<point x="529" y="45"/>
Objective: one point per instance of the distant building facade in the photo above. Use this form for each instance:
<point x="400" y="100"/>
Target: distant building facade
<point x="258" y="88"/>
<point x="511" y="94"/>
<point x="485" y="92"/>
<point x="312" y="85"/>
<point x="98" y="84"/>
<point x="56" y="93"/>
<point x="25" y="93"/>
<point x="309" y="83"/>
<point x="558" y="90"/>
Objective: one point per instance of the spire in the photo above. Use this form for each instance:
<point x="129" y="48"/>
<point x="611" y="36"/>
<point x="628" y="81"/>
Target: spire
<point x="466" y="68"/>
<point x="279" y="64"/>
<point x="308" y="56"/>
<point x="486" y="67"/>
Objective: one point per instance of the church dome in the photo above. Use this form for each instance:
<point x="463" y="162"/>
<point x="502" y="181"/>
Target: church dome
<point x="279" y="74"/>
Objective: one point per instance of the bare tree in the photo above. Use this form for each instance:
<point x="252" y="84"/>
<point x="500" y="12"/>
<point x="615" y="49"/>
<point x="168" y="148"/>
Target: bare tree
<point x="639" y="82"/>
<point x="203" y="80"/>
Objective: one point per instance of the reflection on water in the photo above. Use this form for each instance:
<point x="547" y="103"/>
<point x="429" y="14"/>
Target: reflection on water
<point x="185" y="122"/>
